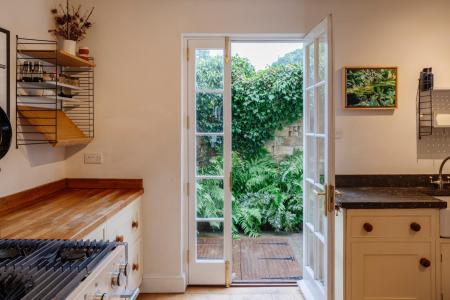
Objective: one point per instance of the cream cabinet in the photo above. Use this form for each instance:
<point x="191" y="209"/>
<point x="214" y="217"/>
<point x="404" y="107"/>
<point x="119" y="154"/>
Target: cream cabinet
<point x="126" y="226"/>
<point x="389" y="254"/>
<point x="445" y="269"/>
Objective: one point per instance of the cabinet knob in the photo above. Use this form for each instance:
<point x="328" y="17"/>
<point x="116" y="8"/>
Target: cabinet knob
<point x="119" y="238"/>
<point x="368" y="227"/>
<point x="135" y="267"/>
<point x="135" y="224"/>
<point x="425" y="262"/>
<point x="415" y="226"/>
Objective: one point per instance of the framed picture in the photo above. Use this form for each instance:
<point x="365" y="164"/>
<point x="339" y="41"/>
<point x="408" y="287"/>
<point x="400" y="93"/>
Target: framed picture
<point x="370" y="87"/>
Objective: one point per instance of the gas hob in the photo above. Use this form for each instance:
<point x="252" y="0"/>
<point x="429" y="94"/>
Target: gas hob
<point x="54" y="269"/>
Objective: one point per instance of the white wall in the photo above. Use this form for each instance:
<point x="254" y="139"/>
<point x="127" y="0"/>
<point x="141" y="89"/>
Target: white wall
<point x="410" y="34"/>
<point x="27" y="167"/>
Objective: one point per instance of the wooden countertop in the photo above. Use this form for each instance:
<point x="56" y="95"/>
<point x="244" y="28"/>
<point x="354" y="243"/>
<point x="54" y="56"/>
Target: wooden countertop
<point x="70" y="211"/>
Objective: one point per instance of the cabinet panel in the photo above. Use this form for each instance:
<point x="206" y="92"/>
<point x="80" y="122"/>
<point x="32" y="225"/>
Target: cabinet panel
<point x="125" y="226"/>
<point x="445" y="271"/>
<point x="97" y="234"/>
<point x="136" y="264"/>
<point x="390" y="270"/>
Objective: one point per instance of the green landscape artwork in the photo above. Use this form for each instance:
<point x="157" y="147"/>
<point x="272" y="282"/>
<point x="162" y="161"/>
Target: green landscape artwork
<point x="370" y="87"/>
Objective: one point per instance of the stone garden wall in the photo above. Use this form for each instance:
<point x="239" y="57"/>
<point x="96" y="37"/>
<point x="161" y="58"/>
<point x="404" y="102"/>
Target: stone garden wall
<point x="287" y="140"/>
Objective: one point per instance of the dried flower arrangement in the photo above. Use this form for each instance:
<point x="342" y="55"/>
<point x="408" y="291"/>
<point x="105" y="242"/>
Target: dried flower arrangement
<point x="70" y="24"/>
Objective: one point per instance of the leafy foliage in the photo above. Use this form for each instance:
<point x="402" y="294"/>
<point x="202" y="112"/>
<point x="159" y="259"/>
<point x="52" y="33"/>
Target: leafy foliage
<point x="266" y="194"/>
<point x="371" y="87"/>
<point x="293" y="58"/>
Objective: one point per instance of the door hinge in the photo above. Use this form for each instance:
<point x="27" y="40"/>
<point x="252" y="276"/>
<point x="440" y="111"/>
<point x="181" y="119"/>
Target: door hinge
<point x="187" y="122"/>
<point x="227" y="274"/>
<point x="187" y="256"/>
<point x="187" y="53"/>
<point x="187" y="188"/>
<point x="227" y="50"/>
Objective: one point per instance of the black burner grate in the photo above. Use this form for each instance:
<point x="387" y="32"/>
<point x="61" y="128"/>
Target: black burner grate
<point x="47" y="269"/>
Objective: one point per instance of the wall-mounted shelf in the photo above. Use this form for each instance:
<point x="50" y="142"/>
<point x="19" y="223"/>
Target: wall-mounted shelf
<point x="43" y="120"/>
<point x="59" y="57"/>
<point x="48" y="108"/>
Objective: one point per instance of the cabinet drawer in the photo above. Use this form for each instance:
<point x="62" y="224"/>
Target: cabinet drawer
<point x="409" y="227"/>
<point x="135" y="263"/>
<point x="125" y="226"/>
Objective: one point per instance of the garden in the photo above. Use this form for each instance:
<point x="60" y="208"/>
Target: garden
<point x="266" y="193"/>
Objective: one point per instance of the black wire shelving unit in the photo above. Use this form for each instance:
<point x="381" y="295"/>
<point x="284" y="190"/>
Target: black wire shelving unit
<point x="425" y="108"/>
<point x="54" y="95"/>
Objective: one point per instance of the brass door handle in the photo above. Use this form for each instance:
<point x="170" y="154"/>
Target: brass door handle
<point x="119" y="238"/>
<point x="317" y="193"/>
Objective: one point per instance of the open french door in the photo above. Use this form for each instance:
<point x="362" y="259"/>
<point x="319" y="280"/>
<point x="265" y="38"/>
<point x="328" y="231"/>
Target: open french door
<point x="318" y="186"/>
<point x="209" y="130"/>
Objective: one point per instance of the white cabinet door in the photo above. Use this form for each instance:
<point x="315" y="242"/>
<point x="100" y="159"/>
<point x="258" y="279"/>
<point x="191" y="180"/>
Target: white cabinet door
<point x="390" y="270"/>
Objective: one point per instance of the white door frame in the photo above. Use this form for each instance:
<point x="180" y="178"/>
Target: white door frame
<point x="185" y="176"/>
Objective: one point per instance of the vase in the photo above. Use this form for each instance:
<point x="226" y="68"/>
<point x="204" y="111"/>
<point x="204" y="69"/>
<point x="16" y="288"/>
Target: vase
<point x="69" y="46"/>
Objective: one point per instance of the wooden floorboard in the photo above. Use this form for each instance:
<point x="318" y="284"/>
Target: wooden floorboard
<point x="265" y="258"/>
<point x="240" y="293"/>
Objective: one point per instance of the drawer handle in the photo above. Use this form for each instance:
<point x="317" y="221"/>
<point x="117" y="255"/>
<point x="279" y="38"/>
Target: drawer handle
<point x="415" y="226"/>
<point x="425" y="262"/>
<point x="135" y="224"/>
<point x="368" y="227"/>
<point x="135" y="267"/>
<point x="119" y="238"/>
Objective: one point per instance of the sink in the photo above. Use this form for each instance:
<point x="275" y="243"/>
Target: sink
<point x="445" y="218"/>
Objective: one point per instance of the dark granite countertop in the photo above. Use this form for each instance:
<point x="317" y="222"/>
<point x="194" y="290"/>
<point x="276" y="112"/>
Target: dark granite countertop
<point x="389" y="197"/>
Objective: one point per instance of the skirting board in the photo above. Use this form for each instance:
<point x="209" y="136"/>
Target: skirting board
<point x="163" y="283"/>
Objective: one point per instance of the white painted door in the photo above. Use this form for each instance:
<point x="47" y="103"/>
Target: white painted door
<point x="318" y="219"/>
<point x="209" y="101"/>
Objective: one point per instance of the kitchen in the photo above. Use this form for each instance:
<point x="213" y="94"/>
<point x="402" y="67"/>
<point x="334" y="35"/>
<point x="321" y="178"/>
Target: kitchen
<point x="139" y="116"/>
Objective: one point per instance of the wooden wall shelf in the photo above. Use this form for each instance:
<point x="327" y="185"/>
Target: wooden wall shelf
<point x="43" y="121"/>
<point x="49" y="110"/>
<point x="62" y="58"/>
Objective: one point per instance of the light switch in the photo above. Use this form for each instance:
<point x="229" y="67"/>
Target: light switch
<point x="93" y="158"/>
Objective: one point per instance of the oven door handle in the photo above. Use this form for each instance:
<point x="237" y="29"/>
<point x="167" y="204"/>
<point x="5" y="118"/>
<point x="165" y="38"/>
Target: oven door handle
<point x="131" y="295"/>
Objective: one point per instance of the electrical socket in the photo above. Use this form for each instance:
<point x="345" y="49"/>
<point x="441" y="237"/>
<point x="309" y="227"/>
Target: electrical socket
<point x="93" y="158"/>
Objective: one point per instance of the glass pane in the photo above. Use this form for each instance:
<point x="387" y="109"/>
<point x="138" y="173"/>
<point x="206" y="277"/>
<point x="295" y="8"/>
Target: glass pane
<point x="209" y="240"/>
<point x="309" y="205"/>
<point x="311" y="111"/>
<point x="209" y="155"/>
<point x="209" y="198"/>
<point x="310" y="64"/>
<point x="321" y="109"/>
<point x="309" y="250"/>
<point x="209" y="69"/>
<point x="321" y="213"/>
<point x="310" y="158"/>
<point x="323" y="55"/>
<point x="209" y="112"/>
<point x="320" y="161"/>
<point x="320" y="271"/>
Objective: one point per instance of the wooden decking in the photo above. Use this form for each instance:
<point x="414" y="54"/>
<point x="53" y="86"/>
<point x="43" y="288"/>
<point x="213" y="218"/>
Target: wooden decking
<point x="271" y="258"/>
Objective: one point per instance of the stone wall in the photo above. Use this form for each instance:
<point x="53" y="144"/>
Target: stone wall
<point x="287" y="140"/>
